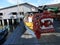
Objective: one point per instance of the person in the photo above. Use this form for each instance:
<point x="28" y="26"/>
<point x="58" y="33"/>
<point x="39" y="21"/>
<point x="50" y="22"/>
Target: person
<point x="30" y="18"/>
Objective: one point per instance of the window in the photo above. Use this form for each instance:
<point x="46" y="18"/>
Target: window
<point x="21" y="13"/>
<point x="14" y="13"/>
<point x="1" y="13"/>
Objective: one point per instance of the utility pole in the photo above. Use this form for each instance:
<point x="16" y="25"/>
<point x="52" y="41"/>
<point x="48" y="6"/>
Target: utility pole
<point x="18" y="12"/>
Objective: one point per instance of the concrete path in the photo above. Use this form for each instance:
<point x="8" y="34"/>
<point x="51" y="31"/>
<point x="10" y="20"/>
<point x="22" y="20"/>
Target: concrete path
<point x="57" y="25"/>
<point x="46" y="39"/>
<point x="16" y="39"/>
<point x="49" y="40"/>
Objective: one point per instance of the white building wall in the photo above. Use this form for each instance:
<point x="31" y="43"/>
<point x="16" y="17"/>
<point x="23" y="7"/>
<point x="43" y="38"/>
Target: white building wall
<point x="23" y="8"/>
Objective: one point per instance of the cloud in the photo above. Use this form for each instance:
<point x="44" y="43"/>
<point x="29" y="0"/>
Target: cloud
<point x="47" y="2"/>
<point x="15" y="1"/>
<point x="1" y="7"/>
<point x="56" y="1"/>
<point x="35" y="2"/>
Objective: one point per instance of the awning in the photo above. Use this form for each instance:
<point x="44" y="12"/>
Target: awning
<point x="55" y="9"/>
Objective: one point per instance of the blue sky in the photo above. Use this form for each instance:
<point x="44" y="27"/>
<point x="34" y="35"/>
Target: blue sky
<point x="7" y="3"/>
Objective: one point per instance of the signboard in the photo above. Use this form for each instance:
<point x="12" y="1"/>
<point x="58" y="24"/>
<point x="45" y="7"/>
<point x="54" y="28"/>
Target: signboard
<point x="42" y="23"/>
<point x="33" y="9"/>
